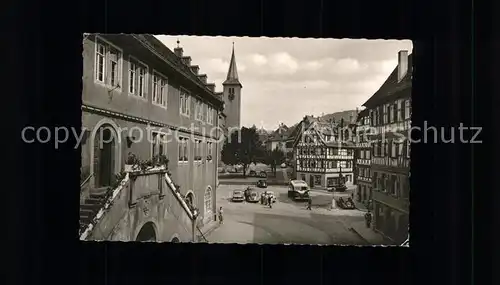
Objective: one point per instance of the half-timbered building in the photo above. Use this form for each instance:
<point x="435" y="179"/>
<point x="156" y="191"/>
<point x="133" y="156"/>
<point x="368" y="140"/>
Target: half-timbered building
<point x="362" y="158"/>
<point x="390" y="121"/>
<point x="323" y="154"/>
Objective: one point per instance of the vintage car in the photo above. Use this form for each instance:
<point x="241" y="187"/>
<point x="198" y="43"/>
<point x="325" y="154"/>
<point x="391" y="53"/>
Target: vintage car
<point x="252" y="197"/>
<point x="238" y="196"/>
<point x="262" y="183"/>
<point x="254" y="173"/>
<point x="298" y="190"/>
<point x="345" y="203"/>
<point x="337" y="188"/>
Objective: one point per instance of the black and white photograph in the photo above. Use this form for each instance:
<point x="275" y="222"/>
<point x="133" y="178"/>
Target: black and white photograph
<point x="245" y="140"/>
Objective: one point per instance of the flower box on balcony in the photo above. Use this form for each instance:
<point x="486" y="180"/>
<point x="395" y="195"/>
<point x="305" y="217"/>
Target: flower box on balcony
<point x="130" y="167"/>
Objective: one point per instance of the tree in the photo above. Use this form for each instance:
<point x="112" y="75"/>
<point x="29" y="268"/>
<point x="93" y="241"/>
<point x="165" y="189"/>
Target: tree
<point x="243" y="147"/>
<point x="275" y="158"/>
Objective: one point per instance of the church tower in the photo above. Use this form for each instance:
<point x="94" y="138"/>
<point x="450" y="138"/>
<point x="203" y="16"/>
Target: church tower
<point x="232" y="95"/>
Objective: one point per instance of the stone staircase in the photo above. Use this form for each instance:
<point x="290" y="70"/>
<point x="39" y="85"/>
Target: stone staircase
<point x="91" y="205"/>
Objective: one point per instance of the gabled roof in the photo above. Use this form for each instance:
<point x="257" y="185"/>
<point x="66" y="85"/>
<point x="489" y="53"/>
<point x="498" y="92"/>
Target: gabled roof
<point x="171" y="58"/>
<point x="391" y="85"/>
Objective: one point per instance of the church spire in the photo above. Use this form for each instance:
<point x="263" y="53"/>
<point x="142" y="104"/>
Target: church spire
<point x="232" y="73"/>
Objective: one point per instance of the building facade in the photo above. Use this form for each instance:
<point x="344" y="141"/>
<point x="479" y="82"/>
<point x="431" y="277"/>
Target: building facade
<point x="390" y="121"/>
<point x="323" y="156"/>
<point x="362" y="158"/>
<point x="141" y="98"/>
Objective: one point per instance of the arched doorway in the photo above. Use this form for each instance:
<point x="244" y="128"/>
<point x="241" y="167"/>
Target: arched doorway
<point x="105" y="145"/>
<point x="105" y="153"/>
<point x="208" y="201"/>
<point x="147" y="233"/>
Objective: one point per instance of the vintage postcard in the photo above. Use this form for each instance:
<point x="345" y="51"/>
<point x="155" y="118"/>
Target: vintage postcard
<point x="245" y="140"/>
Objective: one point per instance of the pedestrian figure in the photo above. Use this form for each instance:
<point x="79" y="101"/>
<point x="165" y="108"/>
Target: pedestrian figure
<point x="368" y="219"/>
<point x="309" y="203"/>
<point x="269" y="200"/>
<point x="221" y="216"/>
<point x="333" y="204"/>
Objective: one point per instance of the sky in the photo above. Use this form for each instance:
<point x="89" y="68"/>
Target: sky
<point x="285" y="79"/>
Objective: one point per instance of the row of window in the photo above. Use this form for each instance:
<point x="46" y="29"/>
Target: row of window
<point x="325" y="164"/>
<point x="392" y="148"/>
<point x="391" y="184"/>
<point x="108" y="71"/>
<point x="159" y="147"/>
<point x="390" y="113"/>
<point x="364" y="154"/>
<point x="364" y="172"/>
<point x="322" y="151"/>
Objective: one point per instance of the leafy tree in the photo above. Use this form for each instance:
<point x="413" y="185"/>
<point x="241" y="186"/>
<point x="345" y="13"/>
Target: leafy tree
<point x="274" y="158"/>
<point x="243" y="148"/>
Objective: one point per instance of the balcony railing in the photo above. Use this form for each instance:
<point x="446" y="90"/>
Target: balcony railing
<point x="363" y="144"/>
<point x="400" y="162"/>
<point x="343" y="169"/>
<point x="364" y="179"/>
<point x="363" y="161"/>
<point x="340" y="157"/>
<point x="132" y="189"/>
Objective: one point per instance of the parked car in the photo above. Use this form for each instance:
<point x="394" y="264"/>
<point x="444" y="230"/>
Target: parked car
<point x="262" y="183"/>
<point x="298" y="190"/>
<point x="269" y="194"/>
<point x="252" y="173"/>
<point x="346" y="204"/>
<point x="252" y="197"/>
<point x="238" y="196"/>
<point x="338" y="188"/>
<point x="263" y="174"/>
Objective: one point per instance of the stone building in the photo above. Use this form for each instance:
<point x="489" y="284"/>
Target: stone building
<point x="142" y="99"/>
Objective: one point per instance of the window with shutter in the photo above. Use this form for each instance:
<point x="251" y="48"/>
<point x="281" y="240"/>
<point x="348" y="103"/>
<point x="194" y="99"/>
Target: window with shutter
<point x="395" y="112"/>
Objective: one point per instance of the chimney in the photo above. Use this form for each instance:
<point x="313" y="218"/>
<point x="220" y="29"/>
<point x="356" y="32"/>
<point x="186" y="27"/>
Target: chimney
<point x="402" y="64"/>
<point x="186" y="60"/>
<point x="178" y="51"/>
<point x="195" y="69"/>
<point x="211" y="86"/>
<point x="203" y="78"/>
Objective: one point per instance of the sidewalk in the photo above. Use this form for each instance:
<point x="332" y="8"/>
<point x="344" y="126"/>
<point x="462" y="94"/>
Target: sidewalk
<point x="368" y="234"/>
<point x="360" y="206"/>
<point x="206" y="230"/>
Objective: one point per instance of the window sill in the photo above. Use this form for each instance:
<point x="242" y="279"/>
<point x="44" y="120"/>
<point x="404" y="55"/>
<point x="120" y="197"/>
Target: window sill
<point x="108" y="86"/>
<point x="160" y="105"/>
<point x="182" y="162"/>
<point x="185" y="115"/>
<point x="137" y="97"/>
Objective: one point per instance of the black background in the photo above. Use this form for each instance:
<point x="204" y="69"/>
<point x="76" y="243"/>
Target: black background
<point x="453" y="60"/>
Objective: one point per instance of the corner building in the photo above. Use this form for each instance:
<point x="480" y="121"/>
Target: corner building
<point x="390" y="121"/>
<point x="134" y="81"/>
<point x="323" y="158"/>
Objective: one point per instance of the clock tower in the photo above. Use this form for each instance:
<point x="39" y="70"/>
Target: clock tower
<point x="231" y="95"/>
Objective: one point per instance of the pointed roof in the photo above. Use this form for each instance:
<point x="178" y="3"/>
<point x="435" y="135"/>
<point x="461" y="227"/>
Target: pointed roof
<point x="232" y="73"/>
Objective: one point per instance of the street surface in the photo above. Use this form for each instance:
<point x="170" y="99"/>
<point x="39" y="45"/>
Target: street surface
<point x="287" y="222"/>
